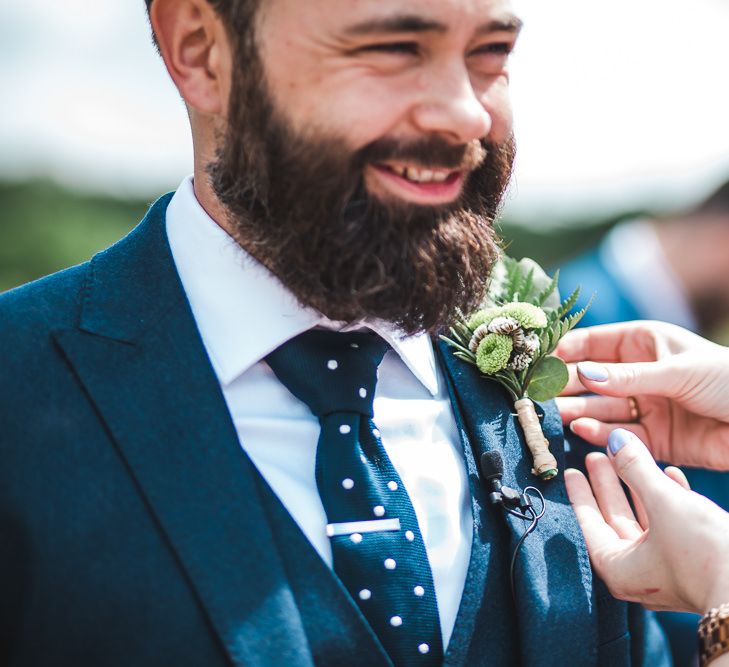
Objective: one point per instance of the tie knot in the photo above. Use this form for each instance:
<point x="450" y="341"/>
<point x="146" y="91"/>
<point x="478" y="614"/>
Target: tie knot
<point x="330" y="371"/>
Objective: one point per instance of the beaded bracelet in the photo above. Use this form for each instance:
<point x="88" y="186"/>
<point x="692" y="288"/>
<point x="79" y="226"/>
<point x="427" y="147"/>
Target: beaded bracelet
<point x="714" y="634"/>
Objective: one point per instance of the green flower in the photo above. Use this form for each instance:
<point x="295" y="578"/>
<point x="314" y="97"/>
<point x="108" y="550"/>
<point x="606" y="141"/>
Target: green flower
<point x="526" y="314"/>
<point x="493" y="353"/>
<point x="482" y="317"/>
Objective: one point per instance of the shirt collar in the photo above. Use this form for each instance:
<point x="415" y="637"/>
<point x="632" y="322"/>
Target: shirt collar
<point x="242" y="310"/>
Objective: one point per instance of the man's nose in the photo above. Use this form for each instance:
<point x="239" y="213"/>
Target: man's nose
<point x="451" y="108"/>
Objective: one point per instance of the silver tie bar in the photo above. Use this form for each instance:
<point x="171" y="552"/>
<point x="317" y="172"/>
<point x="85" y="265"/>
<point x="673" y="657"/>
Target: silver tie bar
<point x="350" y="527"/>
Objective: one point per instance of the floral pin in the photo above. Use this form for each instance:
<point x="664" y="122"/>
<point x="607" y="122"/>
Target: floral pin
<point x="511" y="340"/>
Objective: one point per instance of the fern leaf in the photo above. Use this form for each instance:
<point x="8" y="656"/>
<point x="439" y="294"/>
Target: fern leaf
<point x="513" y="279"/>
<point x="527" y="285"/>
<point x="544" y="339"/>
<point x="573" y="320"/>
<point x="542" y="297"/>
<point x="569" y="303"/>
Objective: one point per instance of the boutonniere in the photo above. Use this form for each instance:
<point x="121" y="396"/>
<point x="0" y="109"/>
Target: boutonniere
<point x="511" y="338"/>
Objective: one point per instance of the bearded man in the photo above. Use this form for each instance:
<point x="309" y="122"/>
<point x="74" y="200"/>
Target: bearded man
<point x="232" y="437"/>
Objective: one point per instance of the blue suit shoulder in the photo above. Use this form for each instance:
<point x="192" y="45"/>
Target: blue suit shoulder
<point x="33" y="376"/>
<point x="35" y="380"/>
<point x="31" y="310"/>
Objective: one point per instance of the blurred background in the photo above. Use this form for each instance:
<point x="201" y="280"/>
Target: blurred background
<point x="621" y="114"/>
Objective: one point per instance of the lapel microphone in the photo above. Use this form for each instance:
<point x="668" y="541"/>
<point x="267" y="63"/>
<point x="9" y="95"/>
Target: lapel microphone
<point x="510" y="500"/>
<point x="492" y="470"/>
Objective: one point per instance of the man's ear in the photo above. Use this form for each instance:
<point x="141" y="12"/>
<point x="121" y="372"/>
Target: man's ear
<point x="196" y="50"/>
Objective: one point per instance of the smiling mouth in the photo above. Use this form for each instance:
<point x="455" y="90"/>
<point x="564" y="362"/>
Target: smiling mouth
<point x="423" y="185"/>
<point x="421" y="175"/>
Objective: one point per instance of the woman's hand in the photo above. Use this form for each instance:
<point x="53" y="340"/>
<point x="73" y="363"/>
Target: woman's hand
<point x="674" y="555"/>
<point x="679" y="383"/>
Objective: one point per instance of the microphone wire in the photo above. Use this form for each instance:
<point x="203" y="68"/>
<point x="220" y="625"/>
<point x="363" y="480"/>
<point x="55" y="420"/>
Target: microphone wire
<point x="534" y="518"/>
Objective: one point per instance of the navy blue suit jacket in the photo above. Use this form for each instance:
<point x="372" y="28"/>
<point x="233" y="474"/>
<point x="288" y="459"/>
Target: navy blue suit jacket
<point x="135" y="531"/>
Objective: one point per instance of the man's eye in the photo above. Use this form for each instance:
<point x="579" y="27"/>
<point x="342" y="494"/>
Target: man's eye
<point x="497" y="48"/>
<point x="407" y="48"/>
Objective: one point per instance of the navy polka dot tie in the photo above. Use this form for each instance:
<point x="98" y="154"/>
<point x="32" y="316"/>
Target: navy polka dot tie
<point x="377" y="548"/>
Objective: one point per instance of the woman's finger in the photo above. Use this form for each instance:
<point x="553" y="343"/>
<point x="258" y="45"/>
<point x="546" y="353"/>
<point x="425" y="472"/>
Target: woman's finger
<point x="574" y="385"/>
<point x="611" y="498"/>
<point x="628" y="379"/>
<point x="603" y="342"/>
<point x="598" y="534"/>
<point x="597" y="432"/>
<point x="603" y="408"/>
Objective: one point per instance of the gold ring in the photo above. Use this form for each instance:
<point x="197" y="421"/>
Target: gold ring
<point x="634" y="410"/>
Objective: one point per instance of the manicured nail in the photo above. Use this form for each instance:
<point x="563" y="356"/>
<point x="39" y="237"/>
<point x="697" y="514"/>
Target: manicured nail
<point x="618" y="439"/>
<point x="592" y="371"/>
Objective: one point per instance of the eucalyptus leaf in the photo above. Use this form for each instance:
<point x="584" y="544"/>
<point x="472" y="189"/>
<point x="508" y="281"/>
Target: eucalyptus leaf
<point x="549" y="377"/>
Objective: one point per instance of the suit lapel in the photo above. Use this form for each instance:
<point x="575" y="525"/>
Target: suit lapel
<point x="485" y="622"/>
<point x="139" y="356"/>
<point x="556" y="618"/>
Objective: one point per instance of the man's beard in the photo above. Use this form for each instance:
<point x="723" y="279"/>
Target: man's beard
<point x="299" y="205"/>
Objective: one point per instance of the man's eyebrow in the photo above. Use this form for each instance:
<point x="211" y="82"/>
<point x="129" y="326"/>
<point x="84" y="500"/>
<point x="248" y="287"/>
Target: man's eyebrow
<point x="414" y="23"/>
<point x="508" y="23"/>
<point x="397" y="23"/>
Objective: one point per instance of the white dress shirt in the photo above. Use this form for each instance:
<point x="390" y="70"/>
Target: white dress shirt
<point x="243" y="312"/>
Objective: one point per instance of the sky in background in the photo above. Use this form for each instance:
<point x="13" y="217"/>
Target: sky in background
<point x="618" y="104"/>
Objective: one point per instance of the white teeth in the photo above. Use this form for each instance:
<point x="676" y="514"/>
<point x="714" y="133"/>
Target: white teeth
<point x="420" y="175"/>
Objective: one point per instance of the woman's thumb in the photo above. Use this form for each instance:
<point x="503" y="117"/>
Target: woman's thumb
<point x="635" y="466"/>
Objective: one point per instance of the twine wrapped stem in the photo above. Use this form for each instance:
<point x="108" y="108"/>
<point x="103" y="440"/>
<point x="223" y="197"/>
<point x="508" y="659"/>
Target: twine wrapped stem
<point x="545" y="465"/>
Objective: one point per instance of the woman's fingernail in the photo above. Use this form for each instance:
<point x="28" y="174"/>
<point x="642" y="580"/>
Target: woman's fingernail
<point x="618" y="439"/>
<point x="592" y="371"/>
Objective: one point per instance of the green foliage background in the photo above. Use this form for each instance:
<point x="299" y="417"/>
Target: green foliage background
<point x="45" y="228"/>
